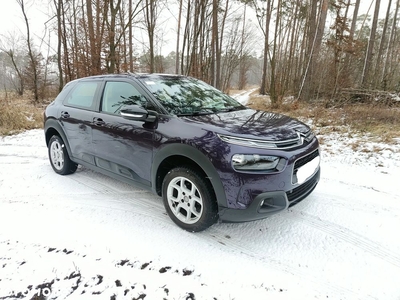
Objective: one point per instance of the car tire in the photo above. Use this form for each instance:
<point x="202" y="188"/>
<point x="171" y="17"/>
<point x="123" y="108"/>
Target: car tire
<point x="59" y="158"/>
<point x="189" y="199"/>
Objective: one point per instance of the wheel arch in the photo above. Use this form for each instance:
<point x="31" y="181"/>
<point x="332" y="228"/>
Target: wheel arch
<point x="178" y="155"/>
<point x="52" y="127"/>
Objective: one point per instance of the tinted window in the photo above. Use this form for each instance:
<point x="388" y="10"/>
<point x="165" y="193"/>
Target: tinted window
<point x="65" y="91"/>
<point x="117" y="94"/>
<point x="83" y="94"/>
<point x="181" y="95"/>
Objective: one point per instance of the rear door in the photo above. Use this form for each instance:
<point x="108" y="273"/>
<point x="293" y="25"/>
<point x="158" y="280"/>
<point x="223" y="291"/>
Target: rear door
<point x="76" y="118"/>
<point x="123" y="147"/>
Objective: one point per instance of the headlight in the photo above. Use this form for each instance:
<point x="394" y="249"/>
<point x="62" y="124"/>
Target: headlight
<point x="256" y="162"/>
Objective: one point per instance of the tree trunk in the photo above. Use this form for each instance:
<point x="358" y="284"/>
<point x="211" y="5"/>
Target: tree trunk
<point x="66" y="60"/>
<point x="58" y="4"/>
<point x="150" y="23"/>
<point x="214" y="44"/>
<point x="263" y="88"/>
<point x="111" y="31"/>
<point x="33" y="59"/>
<point x="316" y="30"/>
<point x="177" y="38"/>
<point x="365" y="80"/>
<point x="390" y="46"/>
<point x="273" y="92"/>
<point x="242" y="69"/>
<point x="348" y="55"/>
<point x="185" y="40"/>
<point x="354" y="21"/>
<point x="94" y="57"/>
<point x="21" y="88"/>
<point x="378" y="68"/>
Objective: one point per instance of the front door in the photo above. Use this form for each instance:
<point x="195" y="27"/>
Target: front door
<point x="122" y="146"/>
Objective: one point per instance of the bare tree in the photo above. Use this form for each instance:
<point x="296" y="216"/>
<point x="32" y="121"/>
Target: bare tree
<point x="242" y="69"/>
<point x="9" y="46"/>
<point x="378" y="68"/>
<point x="33" y="58"/>
<point x="237" y="47"/>
<point x="390" y="54"/>
<point x="20" y="88"/>
<point x="93" y="38"/>
<point x="196" y="45"/>
<point x="106" y="36"/>
<point x="341" y="43"/>
<point x="150" y="18"/>
<point x="365" y="80"/>
<point x="112" y="43"/>
<point x="275" y="99"/>
<point x="214" y="45"/>
<point x="58" y="5"/>
<point x="178" y="37"/>
<point x="267" y="15"/>
<point x="316" y="30"/>
<point x="352" y="44"/>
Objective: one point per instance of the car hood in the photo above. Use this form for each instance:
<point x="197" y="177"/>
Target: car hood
<point x="249" y="123"/>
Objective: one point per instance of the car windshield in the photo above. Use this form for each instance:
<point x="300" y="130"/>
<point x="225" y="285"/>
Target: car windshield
<point x="188" y="96"/>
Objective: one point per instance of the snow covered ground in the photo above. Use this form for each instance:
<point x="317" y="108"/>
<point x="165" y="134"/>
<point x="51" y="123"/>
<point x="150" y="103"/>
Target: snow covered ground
<point x="87" y="236"/>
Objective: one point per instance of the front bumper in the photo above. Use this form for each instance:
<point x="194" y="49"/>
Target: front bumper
<point x="270" y="203"/>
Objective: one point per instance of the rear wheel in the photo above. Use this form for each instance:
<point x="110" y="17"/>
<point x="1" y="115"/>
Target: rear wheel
<point x="59" y="158"/>
<point x="189" y="199"/>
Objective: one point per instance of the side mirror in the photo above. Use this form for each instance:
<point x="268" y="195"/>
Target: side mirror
<point x="137" y="113"/>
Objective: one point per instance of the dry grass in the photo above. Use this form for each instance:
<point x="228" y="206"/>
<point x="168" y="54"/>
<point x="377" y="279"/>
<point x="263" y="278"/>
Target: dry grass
<point x="18" y="114"/>
<point x="380" y="122"/>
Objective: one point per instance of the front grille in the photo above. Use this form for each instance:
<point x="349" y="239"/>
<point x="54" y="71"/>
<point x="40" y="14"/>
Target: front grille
<point x="265" y="144"/>
<point x="302" y="161"/>
<point x="299" y="193"/>
<point x="289" y="143"/>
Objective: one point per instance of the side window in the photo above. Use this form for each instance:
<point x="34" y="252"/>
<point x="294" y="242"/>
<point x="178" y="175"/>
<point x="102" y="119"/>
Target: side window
<point x="117" y="94"/>
<point x="82" y="95"/>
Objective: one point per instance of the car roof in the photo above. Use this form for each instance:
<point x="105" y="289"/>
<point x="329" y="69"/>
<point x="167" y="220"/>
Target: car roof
<point x="130" y="74"/>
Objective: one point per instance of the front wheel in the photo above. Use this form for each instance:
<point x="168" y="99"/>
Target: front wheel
<point x="189" y="199"/>
<point x="59" y="158"/>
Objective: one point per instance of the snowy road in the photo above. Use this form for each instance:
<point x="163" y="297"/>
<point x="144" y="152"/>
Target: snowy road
<point x="87" y="236"/>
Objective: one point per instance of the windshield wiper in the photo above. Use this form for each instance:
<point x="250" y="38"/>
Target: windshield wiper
<point x="211" y="110"/>
<point x="229" y="109"/>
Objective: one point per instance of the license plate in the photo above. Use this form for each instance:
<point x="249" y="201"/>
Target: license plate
<point x="306" y="171"/>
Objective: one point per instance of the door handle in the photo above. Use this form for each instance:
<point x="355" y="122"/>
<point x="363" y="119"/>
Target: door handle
<point x="98" y="121"/>
<point x="65" y="115"/>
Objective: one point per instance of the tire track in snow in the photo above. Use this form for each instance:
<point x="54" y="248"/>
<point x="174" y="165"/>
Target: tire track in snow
<point x="380" y="190"/>
<point x="149" y="207"/>
<point x="372" y="188"/>
<point x="23" y="156"/>
<point x="219" y="236"/>
<point x="214" y="236"/>
<point x="346" y="235"/>
<point x="370" y="205"/>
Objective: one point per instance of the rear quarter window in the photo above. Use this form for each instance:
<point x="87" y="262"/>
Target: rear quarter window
<point x="83" y="95"/>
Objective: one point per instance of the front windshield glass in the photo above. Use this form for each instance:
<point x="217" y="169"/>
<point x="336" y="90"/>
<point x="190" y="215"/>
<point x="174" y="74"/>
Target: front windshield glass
<point x="189" y="96"/>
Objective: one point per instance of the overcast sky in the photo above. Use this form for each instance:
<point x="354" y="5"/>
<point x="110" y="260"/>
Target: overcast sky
<point x="11" y="18"/>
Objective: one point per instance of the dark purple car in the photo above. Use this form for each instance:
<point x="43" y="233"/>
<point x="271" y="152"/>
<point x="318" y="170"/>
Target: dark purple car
<point x="207" y="155"/>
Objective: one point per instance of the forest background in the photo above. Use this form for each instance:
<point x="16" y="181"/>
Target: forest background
<point x="329" y="52"/>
